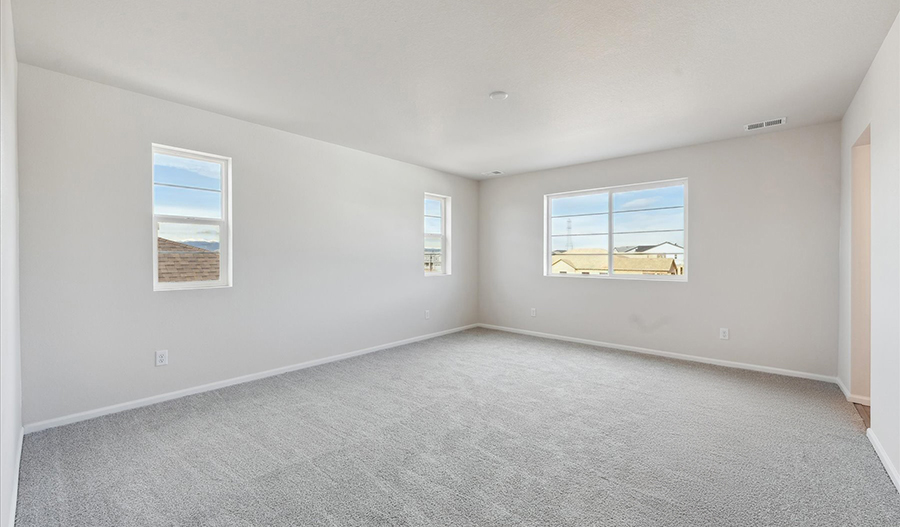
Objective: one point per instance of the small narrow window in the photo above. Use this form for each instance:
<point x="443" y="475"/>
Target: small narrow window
<point x="437" y="235"/>
<point x="191" y="219"/>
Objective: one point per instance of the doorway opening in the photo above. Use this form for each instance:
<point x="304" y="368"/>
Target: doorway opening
<point x="860" y="269"/>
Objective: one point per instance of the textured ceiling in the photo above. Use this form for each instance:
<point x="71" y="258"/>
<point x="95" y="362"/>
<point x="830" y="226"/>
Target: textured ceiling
<point x="409" y="79"/>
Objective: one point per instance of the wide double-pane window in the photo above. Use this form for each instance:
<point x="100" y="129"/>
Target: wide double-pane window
<point x="626" y="231"/>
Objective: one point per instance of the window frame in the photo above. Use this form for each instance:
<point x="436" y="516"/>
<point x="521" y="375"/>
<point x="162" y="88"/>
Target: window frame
<point x="224" y="223"/>
<point x="612" y="191"/>
<point x="445" y="233"/>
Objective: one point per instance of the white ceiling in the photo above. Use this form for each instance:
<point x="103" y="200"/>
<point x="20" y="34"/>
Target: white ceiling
<point x="409" y="79"/>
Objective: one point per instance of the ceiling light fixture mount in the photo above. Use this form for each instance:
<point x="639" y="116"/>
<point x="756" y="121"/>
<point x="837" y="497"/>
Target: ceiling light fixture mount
<point x="498" y="95"/>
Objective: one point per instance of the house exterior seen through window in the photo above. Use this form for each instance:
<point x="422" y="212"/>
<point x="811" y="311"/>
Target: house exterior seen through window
<point x="437" y="235"/>
<point x="628" y="231"/>
<point x="191" y="219"/>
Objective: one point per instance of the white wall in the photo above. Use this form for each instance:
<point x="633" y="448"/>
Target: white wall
<point x="10" y="381"/>
<point x="328" y="250"/>
<point x="877" y="103"/>
<point x="763" y="262"/>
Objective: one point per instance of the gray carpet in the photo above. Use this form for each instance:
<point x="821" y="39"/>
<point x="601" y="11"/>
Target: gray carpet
<point x="474" y="428"/>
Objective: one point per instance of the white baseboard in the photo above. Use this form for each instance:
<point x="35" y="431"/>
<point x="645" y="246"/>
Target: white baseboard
<point x="867" y="401"/>
<point x="885" y="460"/>
<point x="121" y="407"/>
<point x="15" y="487"/>
<point x="669" y="354"/>
<point x="90" y="414"/>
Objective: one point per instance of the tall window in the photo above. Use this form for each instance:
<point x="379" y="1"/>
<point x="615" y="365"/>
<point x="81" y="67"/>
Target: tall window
<point x="627" y="231"/>
<point x="191" y="219"/>
<point x="437" y="235"/>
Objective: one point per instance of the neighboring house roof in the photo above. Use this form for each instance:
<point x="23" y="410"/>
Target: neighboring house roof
<point x="643" y="248"/>
<point x="597" y="260"/>
<point x="180" y="262"/>
<point x="625" y="248"/>
<point x="582" y="251"/>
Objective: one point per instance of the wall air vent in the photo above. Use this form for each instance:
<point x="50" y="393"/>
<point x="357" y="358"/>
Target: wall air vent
<point x="765" y="124"/>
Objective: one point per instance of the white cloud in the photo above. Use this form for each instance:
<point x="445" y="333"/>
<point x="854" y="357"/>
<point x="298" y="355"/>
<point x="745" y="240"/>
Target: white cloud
<point x="640" y="203"/>
<point x="201" y="168"/>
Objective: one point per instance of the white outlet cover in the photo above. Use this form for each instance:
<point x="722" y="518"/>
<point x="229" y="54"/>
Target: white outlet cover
<point x="427" y="314"/>
<point x="723" y="333"/>
<point x="162" y="357"/>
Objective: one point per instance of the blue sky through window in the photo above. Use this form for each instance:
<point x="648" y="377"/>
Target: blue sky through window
<point x="588" y="204"/>
<point x="186" y="172"/>
<point x="432" y="225"/>
<point x="197" y="187"/>
<point x="633" y="224"/>
<point x="649" y="198"/>
<point x="203" y="236"/>
<point x="432" y="207"/>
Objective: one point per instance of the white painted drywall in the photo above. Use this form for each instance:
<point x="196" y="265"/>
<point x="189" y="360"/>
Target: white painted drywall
<point x="877" y="103"/>
<point x="763" y="241"/>
<point x="327" y="250"/>
<point x="409" y="79"/>
<point x="10" y="380"/>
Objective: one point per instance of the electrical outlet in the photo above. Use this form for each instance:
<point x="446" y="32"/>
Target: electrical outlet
<point x="534" y="311"/>
<point x="427" y="314"/>
<point x="162" y="357"/>
<point x="723" y="333"/>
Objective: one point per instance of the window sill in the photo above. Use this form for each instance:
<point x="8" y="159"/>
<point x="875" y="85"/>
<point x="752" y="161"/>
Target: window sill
<point x="193" y="287"/>
<point x="646" y="278"/>
<point x="430" y="275"/>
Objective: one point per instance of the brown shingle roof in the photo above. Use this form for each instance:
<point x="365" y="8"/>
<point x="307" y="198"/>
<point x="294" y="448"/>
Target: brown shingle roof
<point x="597" y="260"/>
<point x="179" y="262"/>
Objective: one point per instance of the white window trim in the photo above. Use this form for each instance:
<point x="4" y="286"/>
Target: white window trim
<point x="548" y="252"/>
<point x="224" y="224"/>
<point x="445" y="236"/>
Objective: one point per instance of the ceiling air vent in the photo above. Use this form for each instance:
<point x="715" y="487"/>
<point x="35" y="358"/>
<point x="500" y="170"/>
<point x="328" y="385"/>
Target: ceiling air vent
<point x="765" y="124"/>
<point x="493" y="173"/>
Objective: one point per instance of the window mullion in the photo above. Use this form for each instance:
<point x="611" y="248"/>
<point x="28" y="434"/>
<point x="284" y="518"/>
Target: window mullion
<point x="168" y="218"/>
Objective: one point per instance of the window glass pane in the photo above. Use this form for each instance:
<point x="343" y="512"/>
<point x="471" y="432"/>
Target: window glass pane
<point x="587" y="204"/>
<point x="649" y="198"/>
<point x="648" y="231"/>
<point x="434" y="255"/>
<point x="650" y="239"/>
<point x="175" y="170"/>
<point x="594" y="224"/>
<point x="432" y="207"/>
<point x="648" y="220"/>
<point x="432" y="225"/>
<point x="590" y="258"/>
<point x="177" y="201"/>
<point x="593" y="242"/>
<point x="187" y="252"/>
<point x="654" y="253"/>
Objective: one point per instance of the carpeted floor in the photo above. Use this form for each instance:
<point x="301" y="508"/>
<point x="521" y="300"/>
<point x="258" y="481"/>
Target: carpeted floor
<point x="476" y="428"/>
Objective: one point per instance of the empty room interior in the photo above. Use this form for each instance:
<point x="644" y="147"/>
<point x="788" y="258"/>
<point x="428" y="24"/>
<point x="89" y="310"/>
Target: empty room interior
<point x="440" y="263"/>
